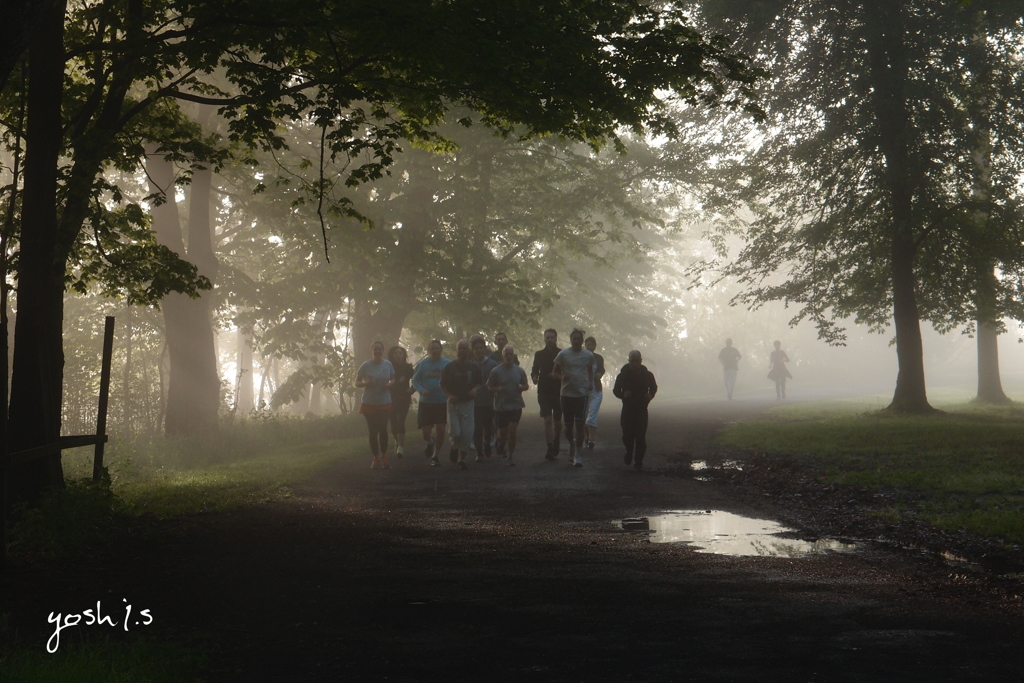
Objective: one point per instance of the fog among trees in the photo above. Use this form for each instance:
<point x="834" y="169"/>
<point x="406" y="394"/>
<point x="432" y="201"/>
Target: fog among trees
<point x="258" y="190"/>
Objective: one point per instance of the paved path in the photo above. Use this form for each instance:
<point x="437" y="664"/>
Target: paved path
<point x="520" y="574"/>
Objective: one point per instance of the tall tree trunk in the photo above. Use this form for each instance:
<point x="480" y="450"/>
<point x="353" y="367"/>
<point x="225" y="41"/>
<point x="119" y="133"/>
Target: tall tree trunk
<point x="910" y="395"/>
<point x="990" y="388"/>
<point x="885" y="24"/>
<point x="126" y="381"/>
<point x="979" y="136"/>
<point x="21" y="18"/>
<point x="38" y="367"/>
<point x="321" y="322"/>
<point x="301" y="407"/>
<point x="193" y="392"/>
<point x="384" y="324"/>
<point x="245" y="401"/>
<point x="395" y="298"/>
<point x="316" y="399"/>
<point x="5" y="328"/>
<point x="261" y="400"/>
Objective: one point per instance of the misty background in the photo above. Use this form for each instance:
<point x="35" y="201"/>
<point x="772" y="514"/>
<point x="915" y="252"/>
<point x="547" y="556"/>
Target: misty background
<point x="312" y="255"/>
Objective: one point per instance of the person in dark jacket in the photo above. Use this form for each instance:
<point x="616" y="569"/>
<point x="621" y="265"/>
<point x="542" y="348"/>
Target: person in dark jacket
<point x="636" y="387"/>
<point x="549" y="390"/>
<point x="500" y="340"/>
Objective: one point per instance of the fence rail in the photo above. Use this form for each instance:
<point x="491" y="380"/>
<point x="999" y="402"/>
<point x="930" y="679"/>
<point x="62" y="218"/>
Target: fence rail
<point x="97" y="440"/>
<point x="63" y="443"/>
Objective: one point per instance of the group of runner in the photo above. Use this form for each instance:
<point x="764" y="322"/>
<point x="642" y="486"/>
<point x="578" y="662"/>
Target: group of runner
<point x="478" y="398"/>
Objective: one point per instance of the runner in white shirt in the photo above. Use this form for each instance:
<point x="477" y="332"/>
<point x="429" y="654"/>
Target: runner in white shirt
<point x="574" y="366"/>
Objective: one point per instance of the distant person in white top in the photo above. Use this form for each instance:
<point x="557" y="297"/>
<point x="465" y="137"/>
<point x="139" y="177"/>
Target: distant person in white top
<point x="574" y="367"/>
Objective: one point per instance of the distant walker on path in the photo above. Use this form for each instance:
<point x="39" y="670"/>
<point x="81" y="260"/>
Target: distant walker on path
<point x="729" y="357"/>
<point x="636" y="387"/>
<point x="778" y="370"/>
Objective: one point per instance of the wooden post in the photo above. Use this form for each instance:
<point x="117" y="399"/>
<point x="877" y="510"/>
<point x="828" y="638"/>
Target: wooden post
<point x="101" y="417"/>
<point x="3" y="493"/>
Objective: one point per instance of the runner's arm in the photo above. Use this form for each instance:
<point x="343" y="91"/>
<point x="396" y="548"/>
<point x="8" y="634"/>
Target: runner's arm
<point x="556" y="369"/>
<point x="362" y="379"/>
<point x="493" y="384"/>
<point x="417" y="377"/>
<point x="524" y="386"/>
<point x="479" y="383"/>
<point x="618" y="389"/>
<point x="441" y="383"/>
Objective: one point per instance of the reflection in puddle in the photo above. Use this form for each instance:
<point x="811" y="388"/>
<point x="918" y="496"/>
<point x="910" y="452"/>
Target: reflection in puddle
<point x="636" y="524"/>
<point x="724" y="533"/>
<point x="960" y="562"/>
<point x="698" y="465"/>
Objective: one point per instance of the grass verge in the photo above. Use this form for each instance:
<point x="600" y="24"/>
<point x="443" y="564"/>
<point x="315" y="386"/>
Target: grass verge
<point x="168" y="492"/>
<point x="104" y="661"/>
<point x="250" y="462"/>
<point x="244" y="463"/>
<point x="962" y="469"/>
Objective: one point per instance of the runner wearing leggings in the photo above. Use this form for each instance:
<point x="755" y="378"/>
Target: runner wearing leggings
<point x="401" y="396"/>
<point x="596" y="394"/>
<point x="376" y="376"/>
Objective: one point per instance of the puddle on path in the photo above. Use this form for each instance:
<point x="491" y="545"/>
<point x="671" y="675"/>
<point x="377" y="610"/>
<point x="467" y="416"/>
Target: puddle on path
<point x="724" y="533"/>
<point x="699" y="465"/>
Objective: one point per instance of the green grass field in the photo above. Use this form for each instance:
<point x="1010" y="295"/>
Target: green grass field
<point x="139" y="661"/>
<point x="960" y="469"/>
<point x="244" y="464"/>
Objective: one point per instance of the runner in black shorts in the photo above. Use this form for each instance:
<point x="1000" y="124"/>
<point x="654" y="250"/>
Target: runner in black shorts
<point x="433" y="411"/>
<point x="574" y="409"/>
<point x="431" y="414"/>
<point x="548" y="391"/>
<point x="574" y="368"/>
<point x="505" y="418"/>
